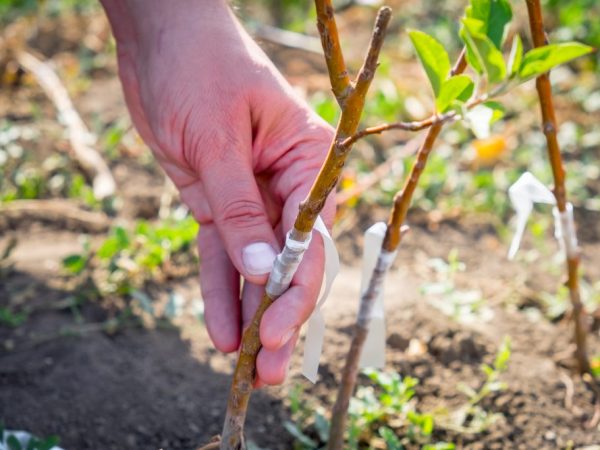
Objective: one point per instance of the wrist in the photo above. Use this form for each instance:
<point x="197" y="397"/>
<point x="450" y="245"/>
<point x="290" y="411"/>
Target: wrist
<point x="137" y="21"/>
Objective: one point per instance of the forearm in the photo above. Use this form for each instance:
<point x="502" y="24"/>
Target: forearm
<point x="137" y="20"/>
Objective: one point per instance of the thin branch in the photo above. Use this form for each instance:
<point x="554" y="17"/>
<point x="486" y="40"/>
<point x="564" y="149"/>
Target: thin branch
<point x="288" y="38"/>
<point x="403" y="199"/>
<point x="330" y="41"/>
<point x="352" y="102"/>
<point x="549" y="125"/>
<point x="405" y="126"/>
<point x="58" y="212"/>
<point x="395" y="230"/>
<point x="367" y="71"/>
<point x="347" y="126"/>
<point x="79" y="135"/>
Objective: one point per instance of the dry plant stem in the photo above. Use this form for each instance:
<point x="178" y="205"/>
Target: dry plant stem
<point x="549" y="125"/>
<point x="351" y="97"/>
<point x="339" y="413"/>
<point x="58" y="212"/>
<point x="394" y="233"/>
<point x="403" y="198"/>
<point x="79" y="135"/>
<point x="330" y="41"/>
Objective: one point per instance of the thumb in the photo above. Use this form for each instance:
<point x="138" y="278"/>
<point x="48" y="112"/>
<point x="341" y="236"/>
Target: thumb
<point x="240" y="215"/>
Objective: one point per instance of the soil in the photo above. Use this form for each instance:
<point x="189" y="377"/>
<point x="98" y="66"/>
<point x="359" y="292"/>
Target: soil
<point x="166" y="387"/>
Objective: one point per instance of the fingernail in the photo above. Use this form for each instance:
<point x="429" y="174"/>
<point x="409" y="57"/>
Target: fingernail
<point x="287" y="336"/>
<point x="258" y="258"/>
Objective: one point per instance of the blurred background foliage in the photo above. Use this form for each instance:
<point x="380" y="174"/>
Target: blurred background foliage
<point x="465" y="174"/>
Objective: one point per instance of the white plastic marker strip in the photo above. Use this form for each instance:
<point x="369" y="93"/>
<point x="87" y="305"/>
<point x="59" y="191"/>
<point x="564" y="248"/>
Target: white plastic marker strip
<point x="315" y="332"/>
<point x="528" y="190"/>
<point x="564" y="231"/>
<point x="373" y="353"/>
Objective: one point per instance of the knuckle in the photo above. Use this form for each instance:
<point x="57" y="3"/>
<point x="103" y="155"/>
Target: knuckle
<point x="241" y="213"/>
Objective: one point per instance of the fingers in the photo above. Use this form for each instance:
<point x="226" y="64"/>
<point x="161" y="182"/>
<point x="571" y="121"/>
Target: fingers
<point x="286" y="315"/>
<point x="220" y="286"/>
<point x="239" y="214"/>
<point x="252" y="295"/>
<point x="272" y="366"/>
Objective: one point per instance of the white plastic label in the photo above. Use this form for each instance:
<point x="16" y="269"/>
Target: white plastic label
<point x="315" y="332"/>
<point x="528" y="190"/>
<point x="373" y="353"/>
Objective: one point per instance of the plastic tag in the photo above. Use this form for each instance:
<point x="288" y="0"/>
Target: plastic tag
<point x="315" y="331"/>
<point x="526" y="191"/>
<point x="373" y="353"/>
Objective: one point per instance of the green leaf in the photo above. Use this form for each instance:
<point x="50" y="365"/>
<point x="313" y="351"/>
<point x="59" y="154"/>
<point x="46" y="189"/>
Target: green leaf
<point x="49" y="442"/>
<point x="391" y="440"/>
<point x="495" y="15"/>
<point x="293" y="429"/>
<point x="13" y="443"/>
<point x="482" y="54"/>
<point x="459" y="87"/>
<point x="74" y="263"/>
<point x="322" y="426"/>
<point x="501" y="361"/>
<point x="497" y="108"/>
<point x="516" y="56"/>
<point x="433" y="57"/>
<point x="540" y="60"/>
<point x="439" y="446"/>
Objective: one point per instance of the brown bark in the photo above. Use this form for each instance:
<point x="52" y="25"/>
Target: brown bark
<point x="549" y="126"/>
<point x="395" y="230"/>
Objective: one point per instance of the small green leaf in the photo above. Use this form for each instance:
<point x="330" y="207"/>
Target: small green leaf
<point x="433" y="57"/>
<point x="503" y="355"/>
<point x="482" y="54"/>
<point x="74" y="263"/>
<point x="516" y="56"/>
<point x="295" y="431"/>
<point x="495" y="15"/>
<point x="322" y="426"/>
<point x="540" y="60"/>
<point x="391" y="440"/>
<point x="48" y="443"/>
<point x="13" y="443"/>
<point x="459" y="87"/>
<point x="439" y="446"/>
<point x="498" y="110"/>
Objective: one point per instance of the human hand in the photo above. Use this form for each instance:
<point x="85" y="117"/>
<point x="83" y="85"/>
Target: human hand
<point x="242" y="149"/>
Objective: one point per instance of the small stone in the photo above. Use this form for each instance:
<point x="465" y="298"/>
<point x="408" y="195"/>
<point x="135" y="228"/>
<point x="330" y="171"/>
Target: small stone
<point x="550" y="435"/>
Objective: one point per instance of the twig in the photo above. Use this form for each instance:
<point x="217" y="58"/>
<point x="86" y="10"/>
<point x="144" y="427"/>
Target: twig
<point x="406" y="126"/>
<point x="549" y="125"/>
<point x="593" y="384"/>
<point x="351" y="97"/>
<point x="79" y="136"/>
<point x="569" y="389"/>
<point x="214" y="443"/>
<point x="330" y="41"/>
<point x="59" y="212"/>
<point x="288" y="38"/>
<point x="395" y="230"/>
<point x="419" y="125"/>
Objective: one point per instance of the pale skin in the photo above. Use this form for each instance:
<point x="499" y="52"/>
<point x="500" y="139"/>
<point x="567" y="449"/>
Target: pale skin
<point x="242" y="149"/>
